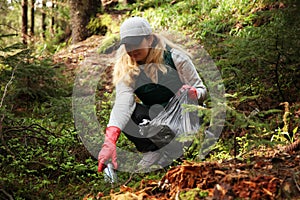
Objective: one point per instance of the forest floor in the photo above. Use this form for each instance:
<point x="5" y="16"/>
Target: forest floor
<point x="268" y="173"/>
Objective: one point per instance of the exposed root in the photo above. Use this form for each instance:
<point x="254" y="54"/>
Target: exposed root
<point x="293" y="147"/>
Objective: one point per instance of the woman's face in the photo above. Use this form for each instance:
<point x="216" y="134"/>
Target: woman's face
<point x="140" y="52"/>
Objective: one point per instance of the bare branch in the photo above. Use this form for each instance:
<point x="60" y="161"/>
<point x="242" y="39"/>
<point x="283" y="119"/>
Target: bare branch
<point x="10" y="27"/>
<point x="297" y="185"/>
<point x="7" y="195"/>
<point x="6" y="86"/>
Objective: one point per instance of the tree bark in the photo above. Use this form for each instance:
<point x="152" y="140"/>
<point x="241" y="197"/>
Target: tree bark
<point x="32" y="18"/>
<point x="81" y="12"/>
<point x="52" y="18"/>
<point x="43" y="19"/>
<point x="24" y="21"/>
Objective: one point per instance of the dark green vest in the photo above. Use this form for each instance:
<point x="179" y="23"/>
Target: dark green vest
<point x="168" y="84"/>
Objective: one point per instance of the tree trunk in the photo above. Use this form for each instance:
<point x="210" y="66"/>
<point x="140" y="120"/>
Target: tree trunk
<point x="24" y="21"/>
<point x="52" y="19"/>
<point x="32" y="18"/>
<point x="43" y="19"/>
<point x="81" y="12"/>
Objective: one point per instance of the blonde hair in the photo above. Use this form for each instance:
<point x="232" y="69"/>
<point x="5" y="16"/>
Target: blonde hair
<point x="126" y="69"/>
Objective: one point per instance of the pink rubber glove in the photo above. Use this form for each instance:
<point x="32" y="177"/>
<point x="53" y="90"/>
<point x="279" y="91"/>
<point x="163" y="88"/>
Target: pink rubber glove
<point x="109" y="148"/>
<point x="192" y="92"/>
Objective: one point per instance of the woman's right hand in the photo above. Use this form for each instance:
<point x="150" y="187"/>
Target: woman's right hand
<point x="109" y="148"/>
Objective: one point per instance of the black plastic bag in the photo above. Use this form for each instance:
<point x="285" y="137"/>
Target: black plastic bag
<point x="160" y="135"/>
<point x="171" y="123"/>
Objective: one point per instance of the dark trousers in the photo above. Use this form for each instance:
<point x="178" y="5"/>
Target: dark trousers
<point x="131" y="130"/>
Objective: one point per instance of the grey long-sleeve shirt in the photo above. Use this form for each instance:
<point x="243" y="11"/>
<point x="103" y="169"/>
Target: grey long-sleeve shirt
<point x="124" y="104"/>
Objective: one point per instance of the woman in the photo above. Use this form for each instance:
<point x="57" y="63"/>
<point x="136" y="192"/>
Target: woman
<point x="149" y="69"/>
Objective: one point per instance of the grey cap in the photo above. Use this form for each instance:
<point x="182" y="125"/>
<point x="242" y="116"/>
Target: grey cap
<point x="133" y="30"/>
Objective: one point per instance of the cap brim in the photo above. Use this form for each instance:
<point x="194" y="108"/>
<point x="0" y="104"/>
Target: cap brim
<point x="133" y="40"/>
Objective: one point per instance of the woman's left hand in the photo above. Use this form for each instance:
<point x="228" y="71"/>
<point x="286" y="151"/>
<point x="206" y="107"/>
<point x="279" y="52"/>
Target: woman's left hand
<point x="192" y="92"/>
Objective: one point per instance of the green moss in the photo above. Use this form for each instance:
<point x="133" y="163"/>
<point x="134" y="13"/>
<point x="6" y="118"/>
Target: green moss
<point x="193" y="194"/>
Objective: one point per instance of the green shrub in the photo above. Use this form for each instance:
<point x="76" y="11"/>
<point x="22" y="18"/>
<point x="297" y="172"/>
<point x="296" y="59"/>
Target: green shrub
<point x="96" y="27"/>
